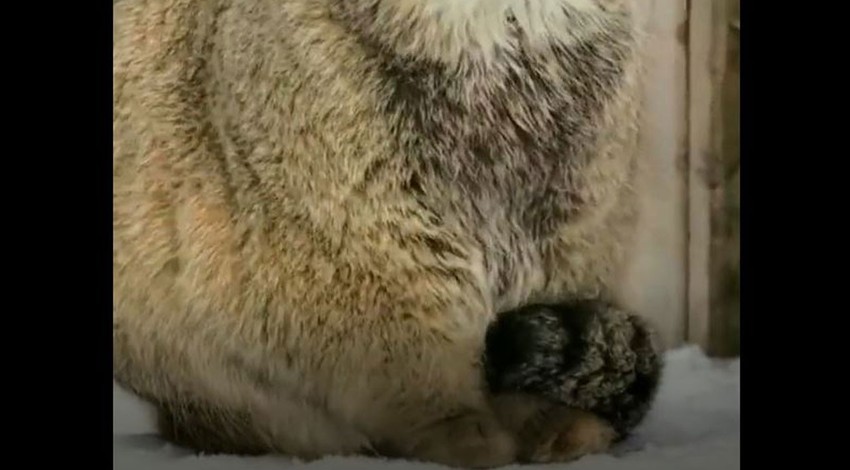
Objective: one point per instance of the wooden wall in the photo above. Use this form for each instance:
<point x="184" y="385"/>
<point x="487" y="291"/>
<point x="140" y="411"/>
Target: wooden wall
<point x="685" y="273"/>
<point x="656" y="283"/>
<point x="714" y="176"/>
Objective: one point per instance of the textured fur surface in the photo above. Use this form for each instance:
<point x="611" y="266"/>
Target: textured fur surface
<point x="320" y="205"/>
<point x="589" y="356"/>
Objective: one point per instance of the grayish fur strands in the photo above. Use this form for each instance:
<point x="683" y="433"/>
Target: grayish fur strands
<point x="587" y="355"/>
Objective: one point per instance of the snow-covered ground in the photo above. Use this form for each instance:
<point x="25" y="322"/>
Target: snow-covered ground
<point x="695" y="425"/>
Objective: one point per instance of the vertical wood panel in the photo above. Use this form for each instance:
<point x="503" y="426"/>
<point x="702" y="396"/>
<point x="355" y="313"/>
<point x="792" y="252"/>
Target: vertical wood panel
<point x="713" y="288"/>
<point x="727" y="301"/>
<point x="699" y="198"/>
<point x="655" y="283"/>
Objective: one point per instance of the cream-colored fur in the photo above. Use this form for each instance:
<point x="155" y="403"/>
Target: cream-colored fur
<point x="272" y="266"/>
<point x="446" y="30"/>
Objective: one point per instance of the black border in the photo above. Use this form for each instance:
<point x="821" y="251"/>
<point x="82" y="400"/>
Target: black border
<point x="791" y="206"/>
<point x="58" y="219"/>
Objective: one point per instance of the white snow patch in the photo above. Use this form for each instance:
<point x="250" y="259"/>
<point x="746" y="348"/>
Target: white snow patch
<point x="695" y="425"/>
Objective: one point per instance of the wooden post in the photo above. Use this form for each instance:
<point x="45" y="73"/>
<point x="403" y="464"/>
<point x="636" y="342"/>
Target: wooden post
<point x="656" y="282"/>
<point x="713" y="176"/>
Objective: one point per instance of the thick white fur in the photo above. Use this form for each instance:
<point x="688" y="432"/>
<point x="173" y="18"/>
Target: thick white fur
<point x="449" y="29"/>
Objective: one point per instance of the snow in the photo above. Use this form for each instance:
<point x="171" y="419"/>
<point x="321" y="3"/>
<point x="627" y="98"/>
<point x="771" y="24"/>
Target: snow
<point x="695" y="425"/>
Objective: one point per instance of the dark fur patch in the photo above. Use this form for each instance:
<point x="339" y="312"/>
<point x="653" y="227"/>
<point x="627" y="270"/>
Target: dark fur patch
<point x="626" y="410"/>
<point x="512" y="134"/>
<point x="533" y="347"/>
<point x="585" y="355"/>
<point x="208" y="429"/>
